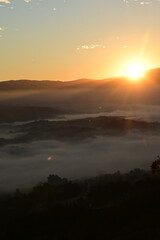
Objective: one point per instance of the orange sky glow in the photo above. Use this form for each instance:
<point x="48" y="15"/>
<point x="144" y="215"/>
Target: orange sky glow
<point x="68" y="39"/>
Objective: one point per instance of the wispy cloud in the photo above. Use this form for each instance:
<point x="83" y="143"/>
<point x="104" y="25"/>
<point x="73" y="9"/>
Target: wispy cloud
<point x="125" y="46"/>
<point x="140" y="2"/>
<point x="5" y="1"/>
<point x="27" y="1"/>
<point x="92" y="46"/>
<point x="1" y="29"/>
<point x="9" y="2"/>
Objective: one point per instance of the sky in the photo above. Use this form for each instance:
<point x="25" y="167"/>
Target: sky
<point x="73" y="39"/>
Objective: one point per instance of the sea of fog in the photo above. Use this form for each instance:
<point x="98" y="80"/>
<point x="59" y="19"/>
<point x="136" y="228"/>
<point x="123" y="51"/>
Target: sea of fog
<point x="23" y="165"/>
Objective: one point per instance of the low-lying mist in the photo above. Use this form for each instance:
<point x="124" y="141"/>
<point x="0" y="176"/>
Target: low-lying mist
<point x="28" y="156"/>
<point x="23" y="165"/>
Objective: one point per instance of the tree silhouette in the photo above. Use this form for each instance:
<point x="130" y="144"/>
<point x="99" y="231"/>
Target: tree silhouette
<point x="155" y="167"/>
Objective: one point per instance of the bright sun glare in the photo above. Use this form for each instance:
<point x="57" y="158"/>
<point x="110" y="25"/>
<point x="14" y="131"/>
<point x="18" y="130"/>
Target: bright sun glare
<point x="135" y="71"/>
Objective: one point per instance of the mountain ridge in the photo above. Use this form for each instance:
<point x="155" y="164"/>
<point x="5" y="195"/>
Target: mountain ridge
<point x="151" y="76"/>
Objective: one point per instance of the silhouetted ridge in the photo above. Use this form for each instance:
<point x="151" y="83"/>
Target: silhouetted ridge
<point x="151" y="75"/>
<point x="16" y="85"/>
<point x="28" y="85"/>
<point x="154" y="74"/>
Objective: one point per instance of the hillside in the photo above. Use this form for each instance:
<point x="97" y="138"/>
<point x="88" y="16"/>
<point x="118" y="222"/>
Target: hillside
<point x="11" y="114"/>
<point x="83" y="96"/>
<point x="76" y="131"/>
<point x="106" y="207"/>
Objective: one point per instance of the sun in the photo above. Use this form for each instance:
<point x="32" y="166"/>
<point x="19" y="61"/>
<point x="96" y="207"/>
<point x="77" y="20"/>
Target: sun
<point x="135" y="71"/>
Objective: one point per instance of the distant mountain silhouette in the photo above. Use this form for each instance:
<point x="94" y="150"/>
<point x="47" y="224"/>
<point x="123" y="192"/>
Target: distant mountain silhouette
<point x="83" y="95"/>
<point x="16" y="85"/>
<point x="152" y="75"/>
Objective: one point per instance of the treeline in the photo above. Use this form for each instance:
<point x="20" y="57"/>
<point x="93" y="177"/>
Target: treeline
<point x="111" y="206"/>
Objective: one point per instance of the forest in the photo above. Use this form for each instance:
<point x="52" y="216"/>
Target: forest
<point x="110" y="206"/>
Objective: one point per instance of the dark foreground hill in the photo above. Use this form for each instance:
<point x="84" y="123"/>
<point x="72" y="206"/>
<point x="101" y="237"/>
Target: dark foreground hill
<point x="107" y="207"/>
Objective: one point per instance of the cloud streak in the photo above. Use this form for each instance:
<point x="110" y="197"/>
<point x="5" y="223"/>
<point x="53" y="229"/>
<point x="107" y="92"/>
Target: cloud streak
<point x="27" y="1"/>
<point x="9" y="2"/>
<point x="5" y="1"/>
<point x="92" y="46"/>
<point x="140" y="2"/>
